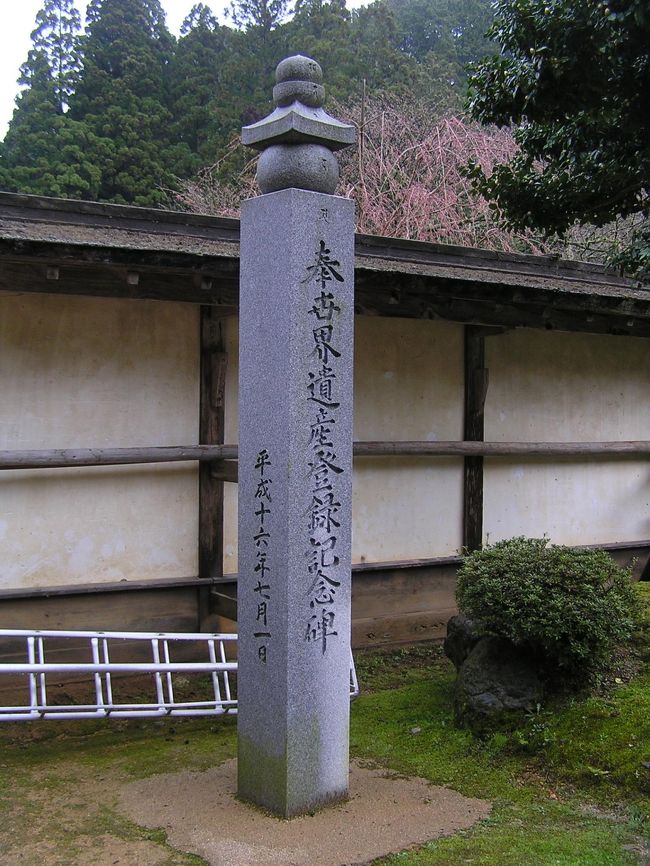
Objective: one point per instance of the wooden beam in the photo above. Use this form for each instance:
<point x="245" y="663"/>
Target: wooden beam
<point x="152" y="583"/>
<point x="415" y="295"/>
<point x="226" y="454"/>
<point x="476" y="384"/>
<point x="149" y="609"/>
<point x="637" y="548"/>
<point x="225" y="470"/>
<point x="502" y="449"/>
<point x="211" y="431"/>
<point x="68" y="457"/>
<point x="191" y="280"/>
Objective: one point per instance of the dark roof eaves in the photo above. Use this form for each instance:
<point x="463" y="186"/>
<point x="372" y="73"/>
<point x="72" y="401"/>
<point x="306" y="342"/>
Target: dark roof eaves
<point x="159" y="230"/>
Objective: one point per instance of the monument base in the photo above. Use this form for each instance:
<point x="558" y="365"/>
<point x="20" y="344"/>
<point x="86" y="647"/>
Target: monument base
<point x="262" y="782"/>
<point x="387" y="813"/>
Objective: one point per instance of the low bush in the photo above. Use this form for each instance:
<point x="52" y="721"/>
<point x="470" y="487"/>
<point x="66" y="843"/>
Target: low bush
<point x="570" y="606"/>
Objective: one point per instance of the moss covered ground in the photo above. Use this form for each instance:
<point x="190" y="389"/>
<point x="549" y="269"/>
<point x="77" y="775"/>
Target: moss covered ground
<point x="571" y="787"/>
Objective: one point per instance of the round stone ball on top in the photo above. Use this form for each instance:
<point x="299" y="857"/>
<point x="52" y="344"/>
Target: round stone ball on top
<point x="298" y="138"/>
<point x="301" y="166"/>
<point x="299" y="79"/>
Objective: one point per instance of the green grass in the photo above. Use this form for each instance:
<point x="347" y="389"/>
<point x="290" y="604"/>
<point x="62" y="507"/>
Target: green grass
<point x="137" y="749"/>
<point x="42" y="774"/>
<point x="525" y="838"/>
<point x="601" y="745"/>
<point x="569" y="788"/>
<point x="534" y="821"/>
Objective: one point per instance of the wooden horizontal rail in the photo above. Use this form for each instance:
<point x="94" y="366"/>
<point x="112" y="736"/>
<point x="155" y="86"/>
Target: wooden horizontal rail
<point x="150" y="585"/>
<point x="498" y="449"/>
<point x="69" y="457"/>
<point x="359" y="570"/>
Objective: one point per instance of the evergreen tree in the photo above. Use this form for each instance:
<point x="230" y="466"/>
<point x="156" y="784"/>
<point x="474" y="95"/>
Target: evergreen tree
<point x="248" y="77"/>
<point x="263" y="15"/>
<point x="323" y="30"/>
<point x="247" y="81"/>
<point x="262" y="46"/>
<point x="375" y="43"/>
<point x="352" y="46"/>
<point x="122" y="112"/>
<point x="454" y="29"/>
<point x="57" y="27"/>
<point x="45" y="151"/>
<point x="121" y="98"/>
<point x="195" y="81"/>
<point x="444" y="36"/>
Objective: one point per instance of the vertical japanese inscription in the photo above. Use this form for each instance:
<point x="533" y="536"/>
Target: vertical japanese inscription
<point x="323" y="466"/>
<point x="262" y="578"/>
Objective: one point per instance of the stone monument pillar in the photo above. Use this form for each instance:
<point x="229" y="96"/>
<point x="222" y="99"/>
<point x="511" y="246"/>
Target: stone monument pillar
<point x="295" y="455"/>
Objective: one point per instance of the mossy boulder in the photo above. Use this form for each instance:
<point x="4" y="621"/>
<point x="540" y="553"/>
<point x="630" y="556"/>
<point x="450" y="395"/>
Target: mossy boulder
<point x="497" y="685"/>
<point x="462" y="637"/>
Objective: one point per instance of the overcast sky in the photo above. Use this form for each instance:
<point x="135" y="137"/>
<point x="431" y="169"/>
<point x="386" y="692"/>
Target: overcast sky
<point x="17" y="22"/>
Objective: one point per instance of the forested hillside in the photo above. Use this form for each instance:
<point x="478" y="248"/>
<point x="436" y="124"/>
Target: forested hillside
<point x="123" y="111"/>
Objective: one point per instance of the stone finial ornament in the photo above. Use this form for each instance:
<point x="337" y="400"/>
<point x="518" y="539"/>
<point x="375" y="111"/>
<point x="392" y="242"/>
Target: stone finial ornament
<point x="298" y="138"/>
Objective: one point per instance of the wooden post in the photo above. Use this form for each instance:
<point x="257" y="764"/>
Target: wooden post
<point x="476" y="383"/>
<point x="211" y="430"/>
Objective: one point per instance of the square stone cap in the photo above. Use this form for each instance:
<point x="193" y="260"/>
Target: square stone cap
<point x="298" y="124"/>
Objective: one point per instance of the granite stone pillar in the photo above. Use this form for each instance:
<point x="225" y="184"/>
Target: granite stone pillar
<point x="295" y="456"/>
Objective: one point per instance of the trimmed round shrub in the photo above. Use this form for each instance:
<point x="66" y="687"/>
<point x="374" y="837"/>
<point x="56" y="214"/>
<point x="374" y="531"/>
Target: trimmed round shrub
<point x="571" y="606"/>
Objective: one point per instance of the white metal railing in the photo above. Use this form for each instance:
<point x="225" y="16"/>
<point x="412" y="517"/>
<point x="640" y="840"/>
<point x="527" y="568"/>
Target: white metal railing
<point x="35" y="669"/>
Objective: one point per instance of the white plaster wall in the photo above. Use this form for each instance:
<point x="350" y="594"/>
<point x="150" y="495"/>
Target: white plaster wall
<point x="84" y="372"/>
<point x="408" y="385"/>
<point x="567" y="387"/>
<point x="231" y="437"/>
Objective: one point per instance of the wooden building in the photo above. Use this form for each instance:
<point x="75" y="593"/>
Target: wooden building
<point x="495" y="395"/>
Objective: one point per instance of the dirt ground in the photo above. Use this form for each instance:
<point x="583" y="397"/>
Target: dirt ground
<point x="161" y="820"/>
<point x="385" y="814"/>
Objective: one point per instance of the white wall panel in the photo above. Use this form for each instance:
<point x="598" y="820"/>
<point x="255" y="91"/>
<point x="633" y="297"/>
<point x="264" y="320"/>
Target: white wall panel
<point x="90" y="372"/>
<point x="567" y="387"/>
